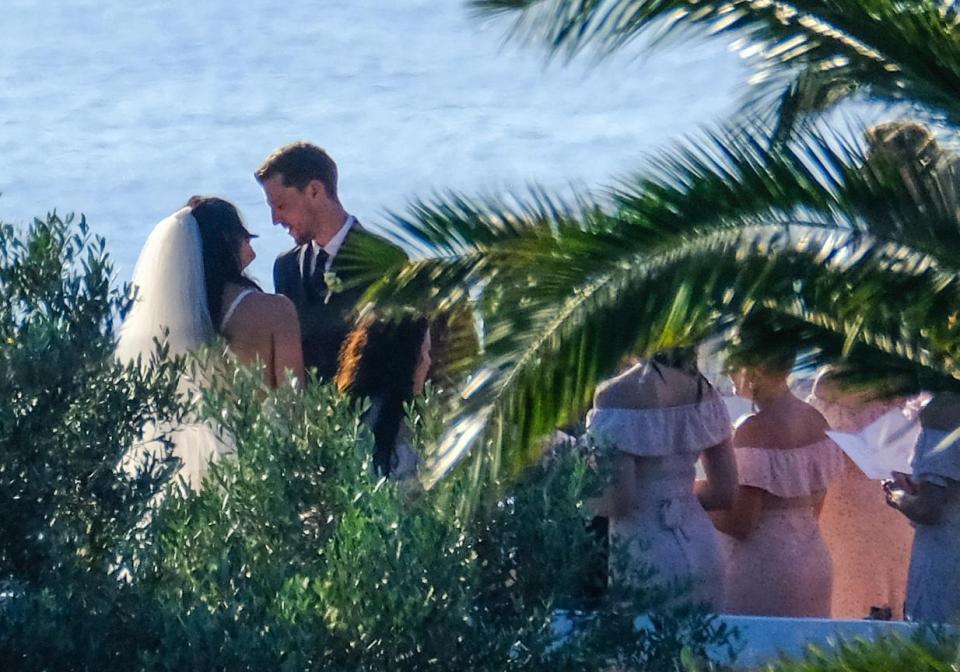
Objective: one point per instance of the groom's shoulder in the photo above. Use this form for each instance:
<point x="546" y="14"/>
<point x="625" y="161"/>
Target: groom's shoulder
<point x="289" y="254"/>
<point x="362" y="238"/>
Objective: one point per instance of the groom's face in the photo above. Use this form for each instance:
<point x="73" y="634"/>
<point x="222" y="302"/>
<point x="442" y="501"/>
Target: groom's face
<point x="294" y="209"/>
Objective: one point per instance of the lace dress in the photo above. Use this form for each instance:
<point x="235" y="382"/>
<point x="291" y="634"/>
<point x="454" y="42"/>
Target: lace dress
<point x="666" y="530"/>
<point x="783" y="567"/>
<point x="869" y="542"/>
<point x="200" y="444"/>
<point x="195" y="444"/>
<point x="933" y="584"/>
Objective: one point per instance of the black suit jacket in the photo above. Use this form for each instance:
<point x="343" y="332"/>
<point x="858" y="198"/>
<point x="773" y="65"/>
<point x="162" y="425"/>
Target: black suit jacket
<point x="326" y="321"/>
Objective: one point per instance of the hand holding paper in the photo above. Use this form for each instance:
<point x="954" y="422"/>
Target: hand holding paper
<point x="882" y="447"/>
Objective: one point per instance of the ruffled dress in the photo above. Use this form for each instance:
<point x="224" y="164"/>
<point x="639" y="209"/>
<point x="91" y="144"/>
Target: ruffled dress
<point x="933" y="584"/>
<point x="667" y="530"/>
<point x="869" y="542"/>
<point x="783" y="567"/>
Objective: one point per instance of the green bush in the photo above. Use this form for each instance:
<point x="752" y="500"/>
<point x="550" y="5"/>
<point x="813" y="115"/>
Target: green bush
<point x="70" y="411"/>
<point x="293" y="556"/>
<point x="929" y="651"/>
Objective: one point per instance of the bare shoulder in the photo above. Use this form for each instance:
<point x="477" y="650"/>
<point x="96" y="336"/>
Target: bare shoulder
<point x="753" y="432"/>
<point x="791" y="424"/>
<point x="265" y="312"/>
<point x="809" y="425"/>
<point x="277" y="306"/>
<point x="647" y="385"/>
<point x="814" y="418"/>
<point x="621" y="391"/>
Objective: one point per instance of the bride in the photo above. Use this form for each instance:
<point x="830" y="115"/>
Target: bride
<point x="191" y="286"/>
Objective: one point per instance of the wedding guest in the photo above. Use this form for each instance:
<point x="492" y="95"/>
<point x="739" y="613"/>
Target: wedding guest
<point x="779" y="564"/>
<point x="191" y="287"/>
<point x="300" y="183"/>
<point x="930" y="498"/>
<point x="869" y="543"/>
<point x="659" y="417"/>
<point x="387" y="361"/>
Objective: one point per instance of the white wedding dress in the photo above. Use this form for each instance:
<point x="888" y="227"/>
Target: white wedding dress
<point x="171" y="303"/>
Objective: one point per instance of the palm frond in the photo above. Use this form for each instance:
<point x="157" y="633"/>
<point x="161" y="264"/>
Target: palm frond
<point x="902" y="53"/>
<point x="542" y="368"/>
<point x="825" y="178"/>
<point x="809" y="54"/>
<point x="714" y="229"/>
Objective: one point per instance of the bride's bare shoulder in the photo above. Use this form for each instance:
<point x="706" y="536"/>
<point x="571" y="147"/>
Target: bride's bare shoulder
<point x="263" y="311"/>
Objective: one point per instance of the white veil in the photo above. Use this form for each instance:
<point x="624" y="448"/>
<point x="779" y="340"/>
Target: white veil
<point x="171" y="292"/>
<point x="171" y="295"/>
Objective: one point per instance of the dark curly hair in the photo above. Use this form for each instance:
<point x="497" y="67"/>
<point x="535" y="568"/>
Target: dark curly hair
<point x="377" y="361"/>
<point x="221" y="233"/>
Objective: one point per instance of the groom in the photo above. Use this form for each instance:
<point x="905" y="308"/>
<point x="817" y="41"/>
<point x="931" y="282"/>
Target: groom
<point x="300" y="183"/>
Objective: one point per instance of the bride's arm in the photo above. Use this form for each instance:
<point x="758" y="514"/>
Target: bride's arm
<point x="285" y="340"/>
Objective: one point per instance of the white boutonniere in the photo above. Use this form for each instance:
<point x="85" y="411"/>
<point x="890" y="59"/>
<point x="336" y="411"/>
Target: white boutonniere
<point x="334" y="284"/>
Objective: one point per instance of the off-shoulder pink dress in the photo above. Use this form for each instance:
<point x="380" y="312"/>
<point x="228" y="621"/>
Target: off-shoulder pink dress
<point x="667" y="530"/>
<point x="868" y="541"/>
<point x="933" y="584"/>
<point x="783" y="567"/>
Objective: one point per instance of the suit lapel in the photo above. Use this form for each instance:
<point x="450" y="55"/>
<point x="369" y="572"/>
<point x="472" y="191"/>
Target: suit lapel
<point x="294" y="276"/>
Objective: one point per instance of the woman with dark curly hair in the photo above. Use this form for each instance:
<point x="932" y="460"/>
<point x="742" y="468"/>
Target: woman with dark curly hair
<point x="387" y="360"/>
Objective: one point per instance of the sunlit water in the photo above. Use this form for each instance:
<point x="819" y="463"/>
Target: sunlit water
<point x="122" y="110"/>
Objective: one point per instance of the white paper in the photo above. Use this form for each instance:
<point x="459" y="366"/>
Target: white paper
<point x="882" y="447"/>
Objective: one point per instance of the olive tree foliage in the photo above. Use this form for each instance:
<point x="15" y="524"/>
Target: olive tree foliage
<point x="69" y="411"/>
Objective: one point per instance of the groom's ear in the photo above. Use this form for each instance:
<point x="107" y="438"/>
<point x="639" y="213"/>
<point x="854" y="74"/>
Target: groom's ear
<point x="315" y="188"/>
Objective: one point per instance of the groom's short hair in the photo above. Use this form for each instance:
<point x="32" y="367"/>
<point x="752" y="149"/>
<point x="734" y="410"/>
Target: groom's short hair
<point x="298" y="164"/>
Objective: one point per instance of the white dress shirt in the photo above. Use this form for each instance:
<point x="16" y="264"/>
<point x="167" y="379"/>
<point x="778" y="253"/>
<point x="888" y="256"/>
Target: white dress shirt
<point x="331" y="248"/>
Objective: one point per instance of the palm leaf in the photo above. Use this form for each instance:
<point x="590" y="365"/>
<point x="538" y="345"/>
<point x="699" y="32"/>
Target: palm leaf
<point x="809" y="54"/>
<point x="709" y="236"/>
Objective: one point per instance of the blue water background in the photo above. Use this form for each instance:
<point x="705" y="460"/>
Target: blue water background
<point x="122" y="110"/>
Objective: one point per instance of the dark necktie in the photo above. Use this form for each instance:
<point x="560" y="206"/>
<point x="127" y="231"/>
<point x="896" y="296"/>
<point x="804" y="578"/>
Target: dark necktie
<point x="313" y="284"/>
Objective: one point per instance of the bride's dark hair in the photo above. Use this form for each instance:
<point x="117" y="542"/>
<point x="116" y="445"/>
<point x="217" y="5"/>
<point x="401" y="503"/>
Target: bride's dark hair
<point x="221" y="234"/>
